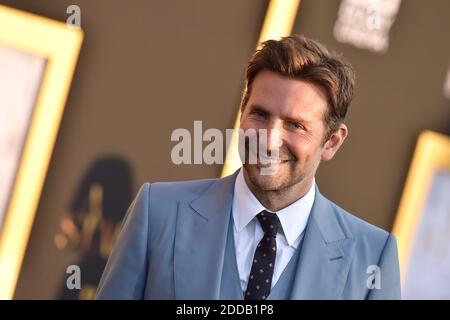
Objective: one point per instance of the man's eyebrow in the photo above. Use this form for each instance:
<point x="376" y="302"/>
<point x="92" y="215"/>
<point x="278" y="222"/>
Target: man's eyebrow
<point x="299" y="118"/>
<point x="296" y="119"/>
<point x="259" y="108"/>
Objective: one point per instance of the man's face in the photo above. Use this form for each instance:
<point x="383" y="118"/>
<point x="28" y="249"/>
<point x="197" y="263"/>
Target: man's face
<point x="292" y="111"/>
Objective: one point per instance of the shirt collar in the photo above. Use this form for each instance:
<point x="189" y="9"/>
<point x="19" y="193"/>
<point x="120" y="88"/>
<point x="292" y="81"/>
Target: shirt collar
<point x="293" y="218"/>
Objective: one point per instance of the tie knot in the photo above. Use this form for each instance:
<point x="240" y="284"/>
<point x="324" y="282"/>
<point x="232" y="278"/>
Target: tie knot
<point x="269" y="223"/>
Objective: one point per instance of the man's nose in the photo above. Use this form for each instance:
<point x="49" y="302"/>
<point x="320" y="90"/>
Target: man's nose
<point x="274" y="137"/>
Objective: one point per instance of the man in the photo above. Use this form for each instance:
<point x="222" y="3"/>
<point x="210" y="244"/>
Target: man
<point x="254" y="235"/>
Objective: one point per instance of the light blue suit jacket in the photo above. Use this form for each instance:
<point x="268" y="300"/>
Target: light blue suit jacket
<point x="173" y="238"/>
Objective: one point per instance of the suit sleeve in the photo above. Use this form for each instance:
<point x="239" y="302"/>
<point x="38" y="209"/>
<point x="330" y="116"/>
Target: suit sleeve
<point x="125" y="274"/>
<point x="389" y="273"/>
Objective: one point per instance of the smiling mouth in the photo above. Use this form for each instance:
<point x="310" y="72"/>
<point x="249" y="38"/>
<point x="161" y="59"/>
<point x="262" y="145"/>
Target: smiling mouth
<point x="267" y="162"/>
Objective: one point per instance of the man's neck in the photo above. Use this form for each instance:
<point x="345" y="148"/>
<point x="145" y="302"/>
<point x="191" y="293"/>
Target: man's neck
<point x="279" y="199"/>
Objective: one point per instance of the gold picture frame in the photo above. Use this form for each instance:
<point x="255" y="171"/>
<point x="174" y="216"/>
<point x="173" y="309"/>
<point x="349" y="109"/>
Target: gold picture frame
<point x="431" y="156"/>
<point x="59" y="44"/>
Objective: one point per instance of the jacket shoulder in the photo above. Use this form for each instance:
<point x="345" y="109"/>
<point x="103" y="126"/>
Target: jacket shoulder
<point x="178" y="190"/>
<point x="363" y="231"/>
<point x="374" y="253"/>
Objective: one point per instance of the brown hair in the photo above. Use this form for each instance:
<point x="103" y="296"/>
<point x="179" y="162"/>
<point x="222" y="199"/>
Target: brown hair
<point x="301" y="58"/>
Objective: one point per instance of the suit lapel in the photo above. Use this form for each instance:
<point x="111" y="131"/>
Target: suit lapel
<point x="200" y="241"/>
<point x="325" y="255"/>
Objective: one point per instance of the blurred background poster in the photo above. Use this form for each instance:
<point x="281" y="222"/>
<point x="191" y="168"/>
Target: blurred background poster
<point x="37" y="59"/>
<point x="20" y="78"/>
<point x="422" y="225"/>
<point x="428" y="272"/>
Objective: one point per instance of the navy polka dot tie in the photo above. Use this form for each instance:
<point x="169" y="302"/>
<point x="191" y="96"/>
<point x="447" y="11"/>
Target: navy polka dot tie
<point x="260" y="279"/>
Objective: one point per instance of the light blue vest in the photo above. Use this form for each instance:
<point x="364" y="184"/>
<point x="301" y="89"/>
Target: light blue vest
<point x="230" y="288"/>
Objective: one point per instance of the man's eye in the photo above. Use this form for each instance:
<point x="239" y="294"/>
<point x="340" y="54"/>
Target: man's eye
<point x="295" y="125"/>
<point x="258" y="113"/>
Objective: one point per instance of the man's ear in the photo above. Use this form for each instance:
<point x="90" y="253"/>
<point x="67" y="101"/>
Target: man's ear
<point x="334" y="142"/>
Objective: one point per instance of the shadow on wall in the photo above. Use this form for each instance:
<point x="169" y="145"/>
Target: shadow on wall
<point x="94" y="220"/>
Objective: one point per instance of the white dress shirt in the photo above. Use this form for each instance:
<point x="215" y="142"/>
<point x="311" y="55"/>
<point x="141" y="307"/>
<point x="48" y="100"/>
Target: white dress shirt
<point x="248" y="232"/>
